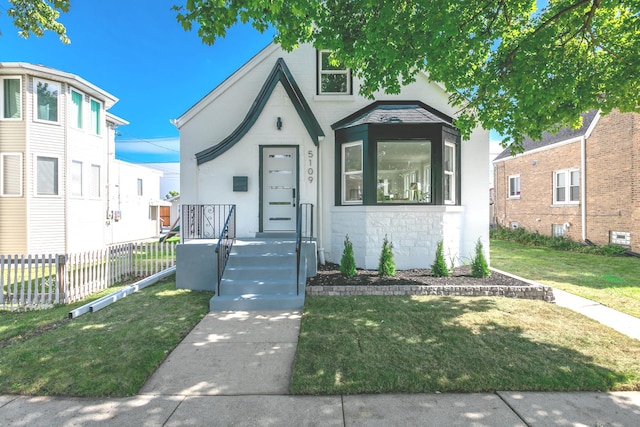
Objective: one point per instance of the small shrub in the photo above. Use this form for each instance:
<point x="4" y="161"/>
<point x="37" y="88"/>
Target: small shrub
<point x="386" y="267"/>
<point x="439" y="266"/>
<point x="479" y="266"/>
<point x="348" y="262"/>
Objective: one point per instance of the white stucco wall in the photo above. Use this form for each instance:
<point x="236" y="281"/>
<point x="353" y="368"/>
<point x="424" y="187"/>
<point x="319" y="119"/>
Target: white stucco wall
<point x="219" y="113"/>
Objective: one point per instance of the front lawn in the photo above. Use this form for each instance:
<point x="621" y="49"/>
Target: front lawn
<point x="108" y="353"/>
<point x="611" y="281"/>
<point x="375" y="344"/>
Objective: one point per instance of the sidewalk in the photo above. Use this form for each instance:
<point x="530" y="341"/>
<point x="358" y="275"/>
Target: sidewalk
<point x="234" y="368"/>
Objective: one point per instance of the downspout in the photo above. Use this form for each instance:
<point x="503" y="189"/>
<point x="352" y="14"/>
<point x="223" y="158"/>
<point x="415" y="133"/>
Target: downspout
<point x="320" y="205"/>
<point x="583" y="190"/>
<point x="65" y="168"/>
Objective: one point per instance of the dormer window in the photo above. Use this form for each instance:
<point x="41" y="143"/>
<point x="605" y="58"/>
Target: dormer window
<point x="333" y="77"/>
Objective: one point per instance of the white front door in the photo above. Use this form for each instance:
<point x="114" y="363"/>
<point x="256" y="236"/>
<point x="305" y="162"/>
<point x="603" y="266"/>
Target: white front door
<point x="279" y="192"/>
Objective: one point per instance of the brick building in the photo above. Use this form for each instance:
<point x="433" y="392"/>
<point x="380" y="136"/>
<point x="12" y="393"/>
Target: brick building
<point x="580" y="183"/>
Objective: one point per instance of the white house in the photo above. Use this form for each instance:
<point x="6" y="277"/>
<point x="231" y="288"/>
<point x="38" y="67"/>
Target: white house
<point x="61" y="189"/>
<point x="290" y="128"/>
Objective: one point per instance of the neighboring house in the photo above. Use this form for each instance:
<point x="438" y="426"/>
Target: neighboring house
<point x="292" y="127"/>
<point x="581" y="183"/>
<point x="61" y="189"/>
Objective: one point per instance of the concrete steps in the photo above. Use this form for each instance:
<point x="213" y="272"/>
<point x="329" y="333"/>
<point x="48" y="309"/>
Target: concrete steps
<point x="260" y="275"/>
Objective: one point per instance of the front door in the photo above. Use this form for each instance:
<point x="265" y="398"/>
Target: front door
<point x="279" y="188"/>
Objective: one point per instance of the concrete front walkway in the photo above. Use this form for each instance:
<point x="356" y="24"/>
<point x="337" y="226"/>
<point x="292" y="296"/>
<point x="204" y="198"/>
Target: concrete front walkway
<point x="234" y="369"/>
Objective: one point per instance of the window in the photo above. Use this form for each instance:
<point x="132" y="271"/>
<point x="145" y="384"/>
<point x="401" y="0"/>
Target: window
<point x="94" y="192"/>
<point x="47" y="100"/>
<point x="566" y="187"/>
<point x="47" y="170"/>
<point x="95" y="116"/>
<point x="11" y="174"/>
<point x="11" y="92"/>
<point x="75" y="114"/>
<point x="557" y="230"/>
<point x="139" y="187"/>
<point x="352" y="173"/>
<point x="76" y="178"/>
<point x="514" y="187"/>
<point x="403" y="171"/>
<point x="333" y="78"/>
<point x="449" y="171"/>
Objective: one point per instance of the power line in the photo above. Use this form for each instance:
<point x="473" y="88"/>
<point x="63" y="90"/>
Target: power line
<point x="139" y="140"/>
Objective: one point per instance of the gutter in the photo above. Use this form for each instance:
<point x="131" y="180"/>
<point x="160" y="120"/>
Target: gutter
<point x="583" y="190"/>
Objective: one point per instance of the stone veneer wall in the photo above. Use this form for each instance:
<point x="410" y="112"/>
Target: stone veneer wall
<point x="544" y="293"/>
<point x="414" y="231"/>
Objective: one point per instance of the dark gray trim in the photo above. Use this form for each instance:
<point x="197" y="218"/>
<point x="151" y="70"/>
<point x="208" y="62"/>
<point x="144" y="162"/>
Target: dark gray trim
<point x="279" y="73"/>
<point x="432" y="115"/>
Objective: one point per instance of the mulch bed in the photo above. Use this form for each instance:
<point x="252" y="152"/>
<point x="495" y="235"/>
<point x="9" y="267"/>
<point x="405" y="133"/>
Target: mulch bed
<point x="329" y="275"/>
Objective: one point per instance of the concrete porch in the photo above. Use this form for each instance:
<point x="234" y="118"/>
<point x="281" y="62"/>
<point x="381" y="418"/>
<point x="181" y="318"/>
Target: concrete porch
<point x="260" y="273"/>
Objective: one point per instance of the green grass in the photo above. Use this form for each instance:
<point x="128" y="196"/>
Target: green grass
<point x="611" y="281"/>
<point x="377" y="344"/>
<point x="108" y="353"/>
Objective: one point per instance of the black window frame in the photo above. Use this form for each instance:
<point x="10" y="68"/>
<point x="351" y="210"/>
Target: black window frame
<point x="371" y="134"/>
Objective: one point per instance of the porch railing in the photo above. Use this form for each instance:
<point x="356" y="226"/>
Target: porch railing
<point x="304" y="231"/>
<point x="225" y="243"/>
<point x="203" y="221"/>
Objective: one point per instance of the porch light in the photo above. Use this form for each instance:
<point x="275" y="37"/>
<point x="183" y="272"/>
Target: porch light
<point x="279" y="123"/>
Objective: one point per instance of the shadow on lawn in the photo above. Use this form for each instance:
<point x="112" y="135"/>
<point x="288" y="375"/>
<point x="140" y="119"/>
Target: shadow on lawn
<point x="413" y="345"/>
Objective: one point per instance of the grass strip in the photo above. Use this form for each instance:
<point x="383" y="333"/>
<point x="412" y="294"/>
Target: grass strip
<point x="373" y="344"/>
<point x="108" y="353"/>
<point x="611" y="281"/>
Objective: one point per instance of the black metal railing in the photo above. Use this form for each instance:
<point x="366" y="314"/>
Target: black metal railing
<point x="304" y="230"/>
<point x="203" y="221"/>
<point x="225" y="243"/>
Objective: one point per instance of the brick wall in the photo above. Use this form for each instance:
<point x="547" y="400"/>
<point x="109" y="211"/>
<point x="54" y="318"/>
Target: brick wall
<point x="612" y="184"/>
<point x="613" y="178"/>
<point x="534" y="210"/>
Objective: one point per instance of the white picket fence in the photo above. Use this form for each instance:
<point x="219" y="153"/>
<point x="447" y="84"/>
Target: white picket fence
<point x="39" y="281"/>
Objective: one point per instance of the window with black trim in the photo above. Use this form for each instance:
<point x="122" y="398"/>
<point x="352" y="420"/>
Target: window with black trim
<point x="333" y="77"/>
<point x="372" y="168"/>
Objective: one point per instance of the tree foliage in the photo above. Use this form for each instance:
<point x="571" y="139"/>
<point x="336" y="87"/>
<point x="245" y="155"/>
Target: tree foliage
<point x="507" y="65"/>
<point x="37" y="16"/>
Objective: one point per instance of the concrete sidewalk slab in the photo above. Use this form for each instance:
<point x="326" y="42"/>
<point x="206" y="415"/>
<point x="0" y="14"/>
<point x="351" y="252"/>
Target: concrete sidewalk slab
<point x="621" y="322"/>
<point x="258" y="411"/>
<point x="231" y="353"/>
<point x="476" y="410"/>
<point x="48" y="411"/>
<point x="619" y="409"/>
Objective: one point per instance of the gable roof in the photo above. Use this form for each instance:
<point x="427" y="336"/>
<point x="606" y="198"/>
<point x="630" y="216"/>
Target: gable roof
<point x="279" y="74"/>
<point x="564" y="134"/>
<point x="394" y="112"/>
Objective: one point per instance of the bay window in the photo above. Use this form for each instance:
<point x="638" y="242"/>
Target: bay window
<point x="403" y="171"/>
<point x="11" y="92"/>
<point x="46" y="100"/>
<point x="352" y="173"/>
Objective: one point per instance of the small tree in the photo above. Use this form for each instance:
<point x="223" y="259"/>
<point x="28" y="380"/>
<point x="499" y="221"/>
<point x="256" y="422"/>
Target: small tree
<point x="479" y="266"/>
<point x="386" y="267"/>
<point x="348" y="262"/>
<point x="439" y="266"/>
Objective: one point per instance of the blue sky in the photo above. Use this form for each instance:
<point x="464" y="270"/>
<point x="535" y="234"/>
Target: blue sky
<point x="137" y="51"/>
